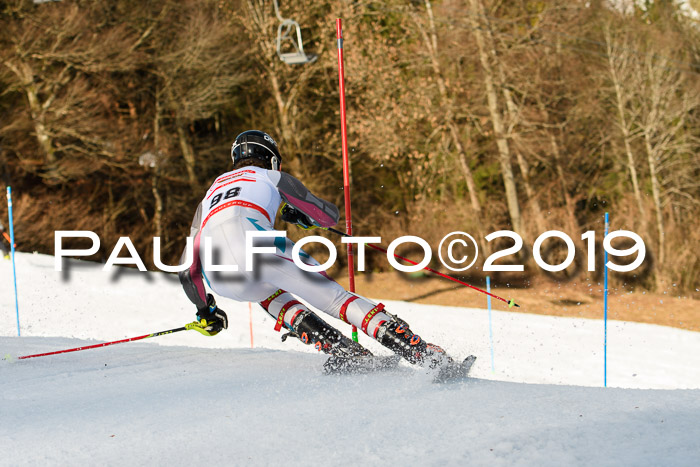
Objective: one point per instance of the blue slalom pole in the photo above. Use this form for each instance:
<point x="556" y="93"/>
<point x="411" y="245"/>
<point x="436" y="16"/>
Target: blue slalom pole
<point x="488" y="301"/>
<point x="605" y="308"/>
<point x="12" y="246"/>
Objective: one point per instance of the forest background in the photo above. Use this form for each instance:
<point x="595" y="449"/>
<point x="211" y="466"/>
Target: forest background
<point x="471" y="115"/>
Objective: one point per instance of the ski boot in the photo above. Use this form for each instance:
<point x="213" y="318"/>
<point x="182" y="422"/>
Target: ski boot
<point x="398" y="337"/>
<point x="345" y="355"/>
<point x="312" y="330"/>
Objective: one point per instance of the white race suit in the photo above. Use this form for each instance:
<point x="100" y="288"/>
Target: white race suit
<point x="247" y="200"/>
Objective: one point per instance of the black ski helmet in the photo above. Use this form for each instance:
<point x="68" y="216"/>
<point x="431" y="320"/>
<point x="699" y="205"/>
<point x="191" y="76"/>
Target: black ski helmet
<point x="254" y="144"/>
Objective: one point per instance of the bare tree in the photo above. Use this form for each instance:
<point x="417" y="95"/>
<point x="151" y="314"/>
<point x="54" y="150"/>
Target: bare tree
<point x="624" y="79"/>
<point x="52" y="57"/>
<point x="447" y="103"/>
<point x="488" y="58"/>
<point x="666" y="104"/>
<point x="288" y="84"/>
<point x="197" y="69"/>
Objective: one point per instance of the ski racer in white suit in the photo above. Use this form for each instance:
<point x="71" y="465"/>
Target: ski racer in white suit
<point x="246" y="200"/>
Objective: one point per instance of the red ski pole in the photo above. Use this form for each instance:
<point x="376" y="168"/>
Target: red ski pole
<point x="105" y="344"/>
<point x="510" y="303"/>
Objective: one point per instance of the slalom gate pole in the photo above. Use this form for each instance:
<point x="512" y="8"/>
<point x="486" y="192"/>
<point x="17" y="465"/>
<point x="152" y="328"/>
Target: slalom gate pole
<point x="12" y="249"/>
<point x="488" y="302"/>
<point x="511" y="303"/>
<point x="346" y="164"/>
<point x="105" y="344"/>
<point x="605" y="308"/>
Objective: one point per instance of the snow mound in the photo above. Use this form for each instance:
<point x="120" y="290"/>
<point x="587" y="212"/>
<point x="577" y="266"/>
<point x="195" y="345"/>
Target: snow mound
<point x="143" y="404"/>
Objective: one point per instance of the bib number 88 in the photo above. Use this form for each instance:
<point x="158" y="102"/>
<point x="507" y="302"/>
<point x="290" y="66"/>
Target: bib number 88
<point x="230" y="193"/>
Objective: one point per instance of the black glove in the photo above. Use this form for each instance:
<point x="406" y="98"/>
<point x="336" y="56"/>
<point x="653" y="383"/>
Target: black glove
<point x="294" y="216"/>
<point x="211" y="318"/>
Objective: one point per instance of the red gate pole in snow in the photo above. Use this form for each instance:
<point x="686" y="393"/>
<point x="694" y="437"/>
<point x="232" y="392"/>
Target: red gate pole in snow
<point x="346" y="167"/>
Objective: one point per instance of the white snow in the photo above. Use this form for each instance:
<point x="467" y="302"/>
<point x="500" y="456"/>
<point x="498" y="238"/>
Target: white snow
<point x="184" y="399"/>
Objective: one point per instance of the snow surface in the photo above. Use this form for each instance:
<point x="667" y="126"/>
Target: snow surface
<point x="185" y="399"/>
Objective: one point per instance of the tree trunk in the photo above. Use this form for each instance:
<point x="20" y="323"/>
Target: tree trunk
<point x="26" y="77"/>
<point x="623" y="123"/>
<point x="281" y="104"/>
<point x="158" y="201"/>
<point x="568" y="201"/>
<point x="446" y="104"/>
<point x="522" y="162"/>
<point x="466" y="171"/>
<point x="573" y="225"/>
<point x="525" y="172"/>
<point x="512" y="115"/>
<point x="187" y="154"/>
<point x="158" y="214"/>
<point x="630" y="157"/>
<point x="656" y="194"/>
<point x="497" y="119"/>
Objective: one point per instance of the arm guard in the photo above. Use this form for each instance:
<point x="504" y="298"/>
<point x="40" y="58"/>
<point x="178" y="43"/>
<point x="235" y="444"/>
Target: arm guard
<point x="293" y="192"/>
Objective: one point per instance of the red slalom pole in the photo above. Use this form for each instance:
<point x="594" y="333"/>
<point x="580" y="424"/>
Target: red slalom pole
<point x="105" y="344"/>
<point x="346" y="165"/>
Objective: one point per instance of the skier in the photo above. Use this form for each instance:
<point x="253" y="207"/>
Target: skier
<point x="246" y="200"/>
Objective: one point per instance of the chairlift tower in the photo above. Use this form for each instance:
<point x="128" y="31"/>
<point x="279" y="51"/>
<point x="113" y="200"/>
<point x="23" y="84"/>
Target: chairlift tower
<point x="289" y="33"/>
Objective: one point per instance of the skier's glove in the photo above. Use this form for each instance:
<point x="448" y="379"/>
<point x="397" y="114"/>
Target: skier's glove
<point x="210" y="319"/>
<point x="294" y="216"/>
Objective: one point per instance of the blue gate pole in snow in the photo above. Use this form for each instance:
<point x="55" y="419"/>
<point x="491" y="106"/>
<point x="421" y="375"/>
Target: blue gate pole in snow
<point x="12" y="246"/>
<point x="488" y="301"/>
<point x="605" y="308"/>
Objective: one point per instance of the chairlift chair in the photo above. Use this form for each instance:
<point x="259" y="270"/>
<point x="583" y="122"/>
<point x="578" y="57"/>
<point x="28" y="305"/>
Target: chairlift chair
<point x="286" y="31"/>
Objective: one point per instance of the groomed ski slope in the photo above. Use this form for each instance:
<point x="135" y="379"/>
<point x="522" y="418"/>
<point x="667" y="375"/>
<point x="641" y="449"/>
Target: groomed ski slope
<point x="185" y="399"/>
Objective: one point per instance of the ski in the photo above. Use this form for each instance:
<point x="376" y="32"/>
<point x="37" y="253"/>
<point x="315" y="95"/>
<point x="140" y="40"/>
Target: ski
<point x="359" y="365"/>
<point x="454" y="371"/>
